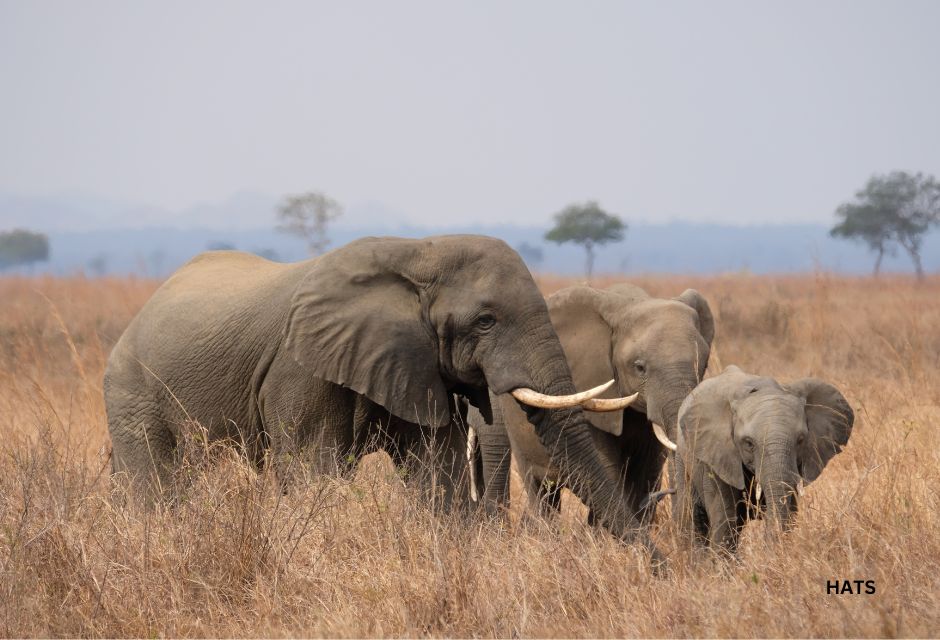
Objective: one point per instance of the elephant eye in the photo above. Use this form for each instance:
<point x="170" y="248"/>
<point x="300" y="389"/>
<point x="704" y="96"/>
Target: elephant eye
<point x="748" y="442"/>
<point x="485" y="321"/>
<point x="640" y="367"/>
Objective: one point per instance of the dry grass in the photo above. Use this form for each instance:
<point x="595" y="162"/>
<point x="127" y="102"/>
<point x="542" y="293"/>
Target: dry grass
<point x="361" y="557"/>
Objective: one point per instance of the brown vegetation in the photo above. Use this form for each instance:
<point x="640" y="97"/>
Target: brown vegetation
<point x="361" y="557"/>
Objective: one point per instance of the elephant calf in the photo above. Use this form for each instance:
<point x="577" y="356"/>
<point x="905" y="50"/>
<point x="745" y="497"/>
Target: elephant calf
<point x="746" y="445"/>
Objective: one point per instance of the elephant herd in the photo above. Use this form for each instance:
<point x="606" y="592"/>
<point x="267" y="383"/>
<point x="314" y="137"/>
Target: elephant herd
<point x="399" y="344"/>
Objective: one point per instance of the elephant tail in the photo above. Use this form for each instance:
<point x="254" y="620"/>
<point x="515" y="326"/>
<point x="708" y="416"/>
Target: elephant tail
<point x="652" y="499"/>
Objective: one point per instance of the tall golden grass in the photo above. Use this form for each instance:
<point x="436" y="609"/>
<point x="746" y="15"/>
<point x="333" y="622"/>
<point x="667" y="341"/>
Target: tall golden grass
<point x="361" y="556"/>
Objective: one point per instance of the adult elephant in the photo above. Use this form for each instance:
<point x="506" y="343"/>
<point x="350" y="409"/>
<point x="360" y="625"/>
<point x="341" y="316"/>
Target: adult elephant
<point x="657" y="351"/>
<point x="367" y="342"/>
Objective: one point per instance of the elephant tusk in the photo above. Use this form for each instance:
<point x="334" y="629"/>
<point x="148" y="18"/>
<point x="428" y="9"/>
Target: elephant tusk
<point x="799" y="487"/>
<point x="542" y="401"/>
<point x="759" y="492"/>
<point x="471" y="450"/>
<point x="609" y="404"/>
<point x="660" y="434"/>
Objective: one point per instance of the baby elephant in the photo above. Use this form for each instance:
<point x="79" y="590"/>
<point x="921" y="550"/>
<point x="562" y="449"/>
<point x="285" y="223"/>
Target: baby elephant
<point x="746" y="445"/>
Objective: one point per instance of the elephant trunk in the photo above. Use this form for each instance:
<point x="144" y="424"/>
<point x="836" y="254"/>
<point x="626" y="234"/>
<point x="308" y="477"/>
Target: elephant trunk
<point x="494" y="452"/>
<point x="778" y="477"/>
<point x="665" y="394"/>
<point x="566" y="435"/>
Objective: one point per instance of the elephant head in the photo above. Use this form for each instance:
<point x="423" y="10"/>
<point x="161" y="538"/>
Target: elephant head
<point x="655" y="348"/>
<point x="745" y="427"/>
<point x="408" y="323"/>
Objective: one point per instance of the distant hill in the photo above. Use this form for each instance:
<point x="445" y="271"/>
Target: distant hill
<point x="669" y="248"/>
<point x="99" y="236"/>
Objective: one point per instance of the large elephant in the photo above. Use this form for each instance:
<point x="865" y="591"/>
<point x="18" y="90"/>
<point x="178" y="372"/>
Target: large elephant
<point x="747" y="444"/>
<point x="654" y="348"/>
<point x="370" y="341"/>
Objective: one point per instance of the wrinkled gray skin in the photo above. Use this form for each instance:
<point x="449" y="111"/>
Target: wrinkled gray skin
<point x="738" y="431"/>
<point x="656" y="347"/>
<point x="322" y="356"/>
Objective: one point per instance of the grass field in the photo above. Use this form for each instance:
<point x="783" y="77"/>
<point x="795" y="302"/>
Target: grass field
<point x="361" y="557"/>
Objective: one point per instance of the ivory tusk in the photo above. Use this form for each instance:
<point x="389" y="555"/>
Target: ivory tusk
<point x="609" y="404"/>
<point x="759" y="492"/>
<point x="542" y="401"/>
<point x="471" y="446"/>
<point x="660" y="434"/>
<point x="799" y="487"/>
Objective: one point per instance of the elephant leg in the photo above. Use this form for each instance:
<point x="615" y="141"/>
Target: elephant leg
<point x="310" y="430"/>
<point x="435" y="461"/>
<point x="143" y="457"/>
<point x="643" y="477"/>
<point x="721" y="505"/>
<point x="543" y="495"/>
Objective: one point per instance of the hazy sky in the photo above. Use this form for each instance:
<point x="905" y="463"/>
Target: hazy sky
<point x="477" y="111"/>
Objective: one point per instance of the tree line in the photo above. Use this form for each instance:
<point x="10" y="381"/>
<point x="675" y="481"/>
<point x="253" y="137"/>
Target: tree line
<point x="891" y="212"/>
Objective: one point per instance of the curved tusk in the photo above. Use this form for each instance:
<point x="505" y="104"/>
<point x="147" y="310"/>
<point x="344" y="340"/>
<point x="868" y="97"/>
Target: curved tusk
<point x="609" y="404"/>
<point x="542" y="401"/>
<point x="660" y="434"/>
<point x="799" y="487"/>
<point x="759" y="492"/>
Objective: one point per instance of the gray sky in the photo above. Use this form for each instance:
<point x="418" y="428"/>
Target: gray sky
<point x="483" y="112"/>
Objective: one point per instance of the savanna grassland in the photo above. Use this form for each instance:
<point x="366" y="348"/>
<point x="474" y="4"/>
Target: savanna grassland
<point x="360" y="556"/>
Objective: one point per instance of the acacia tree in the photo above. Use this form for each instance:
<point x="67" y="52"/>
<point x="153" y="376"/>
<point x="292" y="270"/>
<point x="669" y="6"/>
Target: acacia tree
<point x="892" y="210"/>
<point x="308" y="215"/>
<point x="588" y="225"/>
<point x="21" y="247"/>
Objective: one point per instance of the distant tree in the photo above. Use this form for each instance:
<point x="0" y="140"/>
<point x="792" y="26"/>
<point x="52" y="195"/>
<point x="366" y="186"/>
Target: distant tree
<point x="532" y="254"/>
<point x="588" y="225"/>
<point x="268" y="254"/>
<point x="220" y="245"/>
<point x="21" y="247"/>
<point x="308" y="215"/>
<point x="894" y="209"/>
<point x="155" y="261"/>
<point x="99" y="264"/>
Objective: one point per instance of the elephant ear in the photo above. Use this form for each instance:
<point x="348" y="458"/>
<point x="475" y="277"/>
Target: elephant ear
<point x="357" y="322"/>
<point x="586" y="339"/>
<point x="706" y="422"/>
<point x="706" y="322"/>
<point x="829" y="419"/>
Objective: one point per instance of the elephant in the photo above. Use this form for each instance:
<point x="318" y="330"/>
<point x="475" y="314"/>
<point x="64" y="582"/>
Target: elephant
<point x="656" y="349"/>
<point x="747" y="445"/>
<point x="369" y="343"/>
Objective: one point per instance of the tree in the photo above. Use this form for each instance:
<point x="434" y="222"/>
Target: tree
<point x="21" y="247"/>
<point x="894" y="209"/>
<point x="308" y="215"/>
<point x="99" y="264"/>
<point x="532" y="254"/>
<point x="588" y="225"/>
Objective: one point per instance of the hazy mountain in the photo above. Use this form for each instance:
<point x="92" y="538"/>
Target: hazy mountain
<point x="102" y="236"/>
<point x="671" y="248"/>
